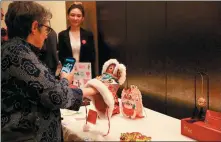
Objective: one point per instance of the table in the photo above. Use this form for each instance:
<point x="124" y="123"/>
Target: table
<point x="158" y="126"/>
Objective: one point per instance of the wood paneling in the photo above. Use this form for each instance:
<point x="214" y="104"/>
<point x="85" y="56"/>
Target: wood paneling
<point x="164" y="44"/>
<point x="112" y="30"/>
<point x="192" y="46"/>
<point x="145" y="36"/>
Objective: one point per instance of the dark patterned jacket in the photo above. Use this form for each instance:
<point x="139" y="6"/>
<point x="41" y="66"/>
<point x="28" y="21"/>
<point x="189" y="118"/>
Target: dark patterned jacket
<point x="31" y="97"/>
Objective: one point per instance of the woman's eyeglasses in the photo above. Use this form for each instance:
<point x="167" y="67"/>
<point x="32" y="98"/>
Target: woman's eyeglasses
<point x="48" y="28"/>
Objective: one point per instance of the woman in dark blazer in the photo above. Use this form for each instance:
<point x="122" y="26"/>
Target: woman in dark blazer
<point x="75" y="41"/>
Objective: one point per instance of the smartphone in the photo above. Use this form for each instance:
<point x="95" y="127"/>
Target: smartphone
<point x="68" y="65"/>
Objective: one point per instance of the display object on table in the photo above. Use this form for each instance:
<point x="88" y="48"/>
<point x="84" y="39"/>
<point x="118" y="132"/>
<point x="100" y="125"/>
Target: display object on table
<point x="207" y="130"/>
<point x="132" y="106"/>
<point x="134" y="136"/>
<point x="107" y="84"/>
<point x="205" y="124"/>
<point x="199" y="111"/>
<point x="213" y="120"/>
<point x="88" y="139"/>
<point x="67" y="112"/>
<point x="82" y="74"/>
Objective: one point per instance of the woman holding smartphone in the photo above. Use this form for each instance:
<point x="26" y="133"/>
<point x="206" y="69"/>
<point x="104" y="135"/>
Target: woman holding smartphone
<point x="31" y="97"/>
<point x="75" y="41"/>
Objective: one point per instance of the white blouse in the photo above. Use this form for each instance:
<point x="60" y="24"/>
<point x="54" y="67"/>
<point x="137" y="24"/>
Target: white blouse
<point x="75" y="45"/>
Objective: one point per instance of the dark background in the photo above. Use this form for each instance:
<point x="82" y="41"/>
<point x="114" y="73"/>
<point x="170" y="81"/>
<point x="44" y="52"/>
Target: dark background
<point x="164" y="45"/>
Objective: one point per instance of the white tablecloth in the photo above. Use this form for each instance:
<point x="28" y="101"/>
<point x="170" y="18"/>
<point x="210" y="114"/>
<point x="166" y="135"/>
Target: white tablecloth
<point x="158" y="126"/>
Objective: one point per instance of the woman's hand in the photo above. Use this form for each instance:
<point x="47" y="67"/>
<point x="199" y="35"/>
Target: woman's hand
<point x="90" y="91"/>
<point x="68" y="76"/>
<point x="58" y="70"/>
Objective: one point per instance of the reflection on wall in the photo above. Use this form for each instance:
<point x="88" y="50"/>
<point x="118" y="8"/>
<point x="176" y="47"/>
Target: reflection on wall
<point x="164" y="45"/>
<point x="111" y="31"/>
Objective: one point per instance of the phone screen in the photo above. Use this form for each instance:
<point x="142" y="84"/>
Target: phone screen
<point x="68" y="65"/>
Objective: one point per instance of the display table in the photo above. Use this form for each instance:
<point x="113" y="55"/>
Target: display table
<point x="158" y="126"/>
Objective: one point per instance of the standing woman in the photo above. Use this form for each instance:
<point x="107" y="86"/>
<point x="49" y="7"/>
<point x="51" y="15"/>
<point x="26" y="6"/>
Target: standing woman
<point x="75" y="41"/>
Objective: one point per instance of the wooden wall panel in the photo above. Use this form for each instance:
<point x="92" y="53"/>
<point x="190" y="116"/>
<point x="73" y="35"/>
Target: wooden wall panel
<point x="112" y="30"/>
<point x="165" y="44"/>
<point x="145" y="39"/>
<point x="193" y="30"/>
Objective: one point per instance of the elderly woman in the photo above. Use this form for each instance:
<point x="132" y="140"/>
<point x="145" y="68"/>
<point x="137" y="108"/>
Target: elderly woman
<point x="31" y="97"/>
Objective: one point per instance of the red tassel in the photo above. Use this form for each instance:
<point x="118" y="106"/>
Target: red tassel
<point x="86" y="113"/>
<point x="86" y="127"/>
<point x="108" y="124"/>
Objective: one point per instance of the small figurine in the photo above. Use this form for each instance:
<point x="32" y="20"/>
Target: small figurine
<point x="199" y="111"/>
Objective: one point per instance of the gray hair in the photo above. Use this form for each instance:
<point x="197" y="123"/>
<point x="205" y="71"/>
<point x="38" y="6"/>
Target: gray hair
<point x="21" y="15"/>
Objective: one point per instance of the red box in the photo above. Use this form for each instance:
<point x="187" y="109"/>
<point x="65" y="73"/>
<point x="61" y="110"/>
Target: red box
<point x="209" y="130"/>
<point x="92" y="116"/>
